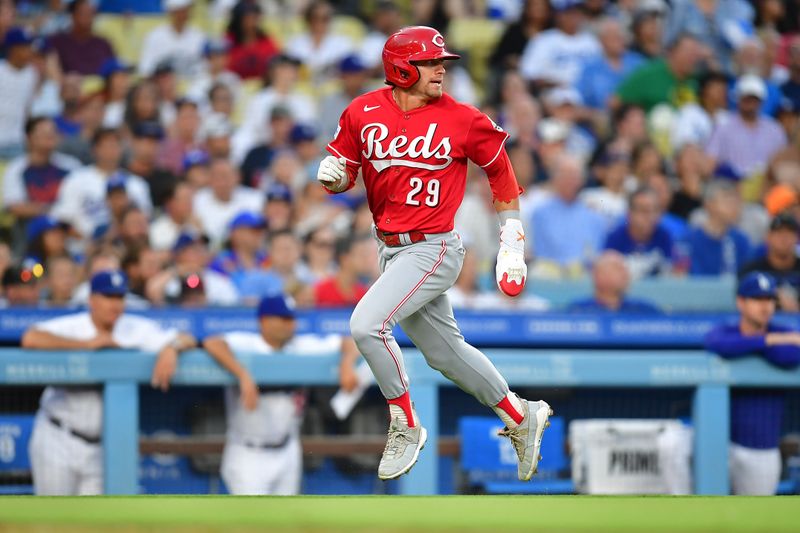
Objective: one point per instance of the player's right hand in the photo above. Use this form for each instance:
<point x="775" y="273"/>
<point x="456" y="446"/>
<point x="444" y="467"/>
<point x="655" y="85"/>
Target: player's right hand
<point x="248" y="392"/>
<point x="332" y="173"/>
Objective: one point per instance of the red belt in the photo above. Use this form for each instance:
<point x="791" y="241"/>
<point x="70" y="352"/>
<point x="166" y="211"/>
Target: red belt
<point x="400" y="239"/>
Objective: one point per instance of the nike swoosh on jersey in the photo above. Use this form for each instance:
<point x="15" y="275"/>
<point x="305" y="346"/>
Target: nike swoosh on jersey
<point x="368" y="108"/>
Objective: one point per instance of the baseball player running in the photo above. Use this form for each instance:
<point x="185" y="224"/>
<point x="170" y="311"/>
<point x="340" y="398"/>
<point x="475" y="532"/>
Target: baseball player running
<point x="411" y="142"/>
<point x="65" y="449"/>
<point x="262" y="446"/>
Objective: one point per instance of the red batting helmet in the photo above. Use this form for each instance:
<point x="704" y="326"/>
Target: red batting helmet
<point x="414" y="43"/>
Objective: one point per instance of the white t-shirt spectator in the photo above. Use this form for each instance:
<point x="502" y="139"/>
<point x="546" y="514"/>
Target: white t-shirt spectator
<point x="184" y="50"/>
<point x="82" y="409"/>
<point x="17" y="90"/>
<point x="557" y="57"/>
<point x="276" y="417"/>
<point x="14" y="189"/>
<point x="371" y="50"/>
<point x="215" y="215"/>
<point x="318" y="59"/>
<point x="82" y="199"/>
<point x="611" y="205"/>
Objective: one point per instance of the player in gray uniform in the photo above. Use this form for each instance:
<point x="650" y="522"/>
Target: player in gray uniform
<point x="411" y="142"/>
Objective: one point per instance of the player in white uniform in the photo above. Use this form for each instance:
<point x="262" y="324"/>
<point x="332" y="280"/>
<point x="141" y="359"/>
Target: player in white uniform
<point x="262" y="446"/>
<point x="65" y="449"/>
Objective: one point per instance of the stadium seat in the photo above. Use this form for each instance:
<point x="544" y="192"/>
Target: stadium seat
<point x="126" y="32"/>
<point x="476" y="37"/>
<point x="490" y="461"/>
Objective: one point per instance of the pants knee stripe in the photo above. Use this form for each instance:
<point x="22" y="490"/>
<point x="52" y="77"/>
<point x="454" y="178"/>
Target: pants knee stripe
<point x="382" y="332"/>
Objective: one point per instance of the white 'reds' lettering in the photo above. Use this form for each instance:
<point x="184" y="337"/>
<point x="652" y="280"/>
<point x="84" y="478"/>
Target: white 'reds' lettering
<point x="399" y="151"/>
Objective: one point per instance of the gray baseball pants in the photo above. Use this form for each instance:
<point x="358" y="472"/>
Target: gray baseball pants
<point x="411" y="292"/>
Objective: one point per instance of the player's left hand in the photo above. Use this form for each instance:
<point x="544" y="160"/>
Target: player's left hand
<point x="164" y="369"/>
<point x="511" y="270"/>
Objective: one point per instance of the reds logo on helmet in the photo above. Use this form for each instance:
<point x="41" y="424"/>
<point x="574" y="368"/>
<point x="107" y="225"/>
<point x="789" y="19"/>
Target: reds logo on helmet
<point x="404" y="47"/>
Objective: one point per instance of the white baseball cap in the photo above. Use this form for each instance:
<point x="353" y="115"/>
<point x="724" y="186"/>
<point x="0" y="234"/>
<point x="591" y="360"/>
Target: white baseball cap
<point x="173" y="5"/>
<point x="751" y="85"/>
<point x="562" y="96"/>
<point x="552" y="130"/>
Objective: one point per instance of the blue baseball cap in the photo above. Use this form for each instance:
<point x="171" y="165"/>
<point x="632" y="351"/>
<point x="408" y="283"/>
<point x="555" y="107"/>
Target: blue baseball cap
<point x="563" y="5"/>
<point x="727" y="172"/>
<point x="351" y="64"/>
<point x="109" y="283"/>
<point x="41" y="224"/>
<point x="247" y="219"/>
<point x="275" y="305"/>
<point x="149" y="129"/>
<point x="215" y="46"/>
<point x="187" y="239"/>
<point x="279" y="192"/>
<point x="195" y="158"/>
<point x="757" y="285"/>
<point x="17" y="37"/>
<point x="302" y="132"/>
<point x="116" y="182"/>
<point x="114" y="65"/>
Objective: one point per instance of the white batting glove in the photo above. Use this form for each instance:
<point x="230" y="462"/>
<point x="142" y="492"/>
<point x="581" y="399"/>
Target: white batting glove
<point x="511" y="269"/>
<point x="332" y="173"/>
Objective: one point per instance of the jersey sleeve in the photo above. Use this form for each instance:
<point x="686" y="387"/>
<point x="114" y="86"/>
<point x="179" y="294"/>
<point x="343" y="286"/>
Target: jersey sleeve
<point x="345" y="141"/>
<point x="146" y="335"/>
<point x="69" y="326"/>
<point x="243" y="341"/>
<point x="485" y="147"/>
<point x="310" y="344"/>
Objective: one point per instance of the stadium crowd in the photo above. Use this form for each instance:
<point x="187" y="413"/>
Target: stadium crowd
<point x="665" y="132"/>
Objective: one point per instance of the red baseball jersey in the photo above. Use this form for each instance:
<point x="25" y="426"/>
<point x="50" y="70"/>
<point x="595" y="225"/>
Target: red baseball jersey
<point x="414" y="163"/>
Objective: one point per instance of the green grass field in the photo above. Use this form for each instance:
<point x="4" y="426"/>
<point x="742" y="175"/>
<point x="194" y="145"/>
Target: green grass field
<point x="387" y="514"/>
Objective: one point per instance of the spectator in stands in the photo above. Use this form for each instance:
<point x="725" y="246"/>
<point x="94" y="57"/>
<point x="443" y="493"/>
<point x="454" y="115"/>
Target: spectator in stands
<point x="61" y="280"/>
<point x="781" y="261"/>
<point x="751" y="59"/>
<point x="65" y="448"/>
<point x="196" y="169"/>
<point x="757" y="414"/>
<point x="715" y="23"/>
<point x="647" y="28"/>
<point x="143" y="161"/>
<point x="81" y="198"/>
<point x="134" y="231"/>
<point x="564" y="104"/>
<point x="629" y="127"/>
<point x="344" y="288"/>
<point x="645" y="243"/>
<point x="696" y="121"/>
<point x="551" y="135"/>
<point x="116" y="76"/>
<point x="259" y="158"/>
<point x="386" y="19"/>
<point x="46" y="239"/>
<point x="262" y="453"/>
<point x="281" y="91"/>
<point x="71" y="95"/>
<point x="176" y="218"/>
<point x="278" y="207"/>
<point x="32" y="180"/>
<point x="555" y="57"/>
<point x="668" y="80"/>
<point x="689" y="167"/>
<point x="140" y="263"/>
<point x="191" y="258"/>
<point x="306" y="147"/>
<point x="18" y="80"/>
<point x="216" y="135"/>
<point x="251" y="49"/>
<point x="565" y="233"/>
<point x="216" y="205"/>
<point x="791" y="88"/>
<point x="176" y="41"/>
<point x="21" y="287"/>
<point x="677" y="227"/>
<point x="244" y="256"/>
<point x="182" y="138"/>
<point x="141" y="104"/>
<point x="717" y="247"/>
<point x="354" y="76"/>
<point x="117" y="202"/>
<point x="536" y="17"/>
<point x="319" y="252"/>
<point x="600" y="75"/>
<point x="646" y="160"/>
<point x="611" y="280"/>
<point x="79" y="49"/>
<point x="284" y="272"/>
<point x="748" y="139"/>
<point x="609" y="199"/>
<point x="320" y="48"/>
<point x="166" y="82"/>
<point x="221" y="100"/>
<point x="215" y="75"/>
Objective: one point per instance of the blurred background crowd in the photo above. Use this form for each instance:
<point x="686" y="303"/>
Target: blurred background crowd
<point x="179" y="141"/>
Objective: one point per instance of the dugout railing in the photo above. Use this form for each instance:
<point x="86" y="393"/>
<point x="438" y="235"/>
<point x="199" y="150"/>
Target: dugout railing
<point x="121" y="373"/>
